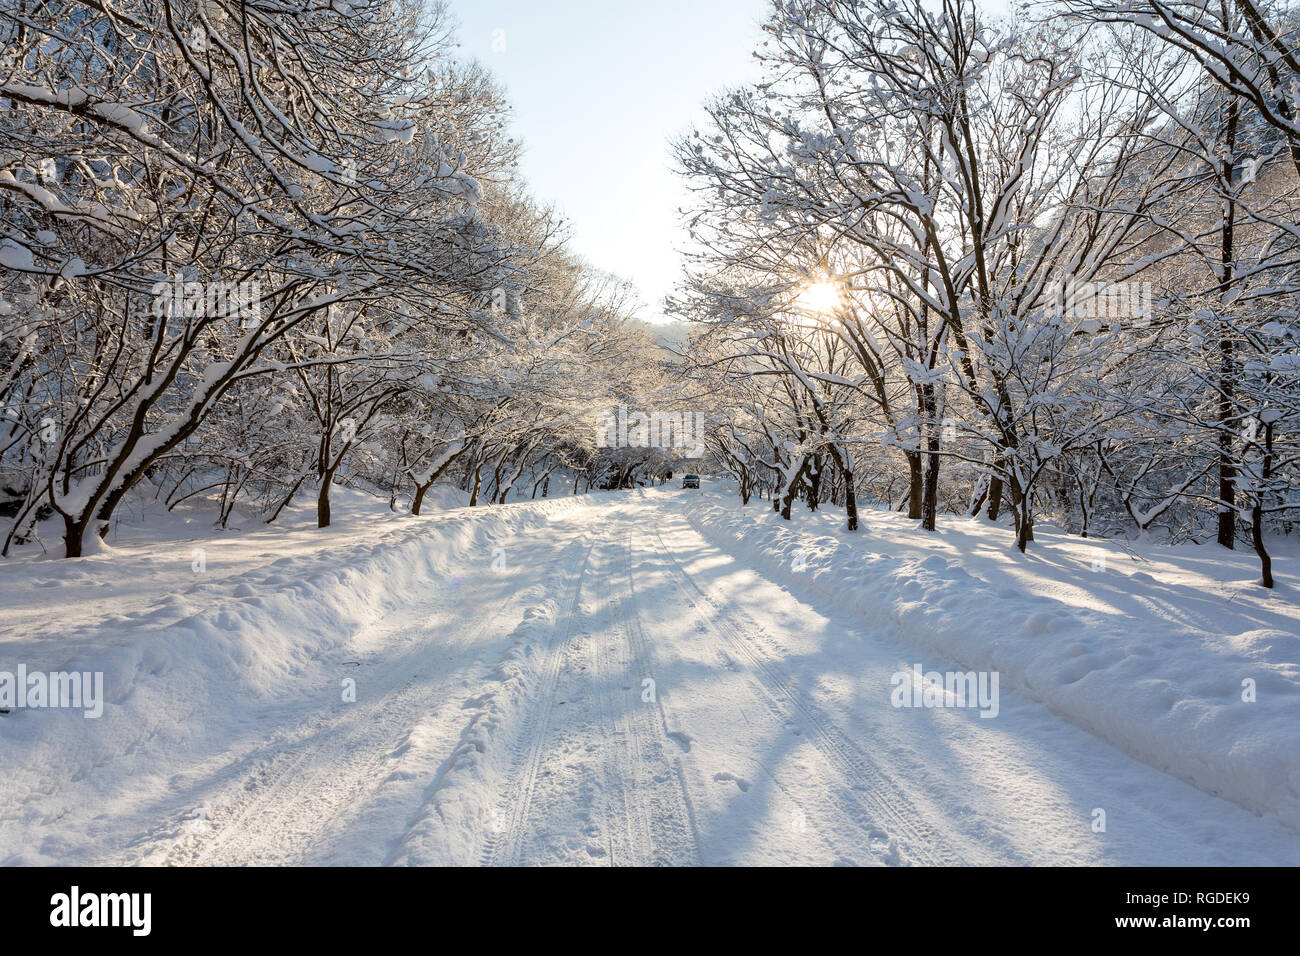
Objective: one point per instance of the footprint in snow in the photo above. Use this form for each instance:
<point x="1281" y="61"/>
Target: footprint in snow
<point x="885" y="847"/>
<point x="738" y="781"/>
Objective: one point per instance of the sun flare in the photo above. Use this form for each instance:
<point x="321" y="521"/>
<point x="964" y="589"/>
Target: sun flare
<point x="821" y="298"/>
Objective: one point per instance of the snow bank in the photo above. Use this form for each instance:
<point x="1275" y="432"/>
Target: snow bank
<point x="185" y="675"/>
<point x="1165" y="684"/>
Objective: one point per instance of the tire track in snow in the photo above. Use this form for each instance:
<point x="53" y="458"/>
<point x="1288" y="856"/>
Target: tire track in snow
<point x="673" y="825"/>
<point x="506" y="847"/>
<point x="828" y="806"/>
<point x="883" y="801"/>
<point x="291" y="806"/>
<point x="641" y="783"/>
<point x="576" y="791"/>
<point x="623" y="806"/>
<point x="610" y="748"/>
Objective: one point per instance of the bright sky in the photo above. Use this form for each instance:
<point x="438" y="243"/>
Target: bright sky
<point x="598" y="88"/>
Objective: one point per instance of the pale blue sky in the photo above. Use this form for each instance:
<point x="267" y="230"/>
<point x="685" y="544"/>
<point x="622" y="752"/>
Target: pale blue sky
<point x="598" y="89"/>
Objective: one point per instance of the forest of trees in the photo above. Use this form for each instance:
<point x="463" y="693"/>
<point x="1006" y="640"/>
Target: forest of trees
<point x="1044" y="265"/>
<point x="251" y="249"/>
<point x="1037" y="268"/>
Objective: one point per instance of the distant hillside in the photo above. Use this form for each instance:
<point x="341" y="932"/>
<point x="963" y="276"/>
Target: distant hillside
<point x="670" y="335"/>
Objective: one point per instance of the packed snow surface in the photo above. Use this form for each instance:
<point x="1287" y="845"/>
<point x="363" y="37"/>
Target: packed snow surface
<point x="648" y="677"/>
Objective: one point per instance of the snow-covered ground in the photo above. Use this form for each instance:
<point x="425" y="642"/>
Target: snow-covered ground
<point x="658" y="677"/>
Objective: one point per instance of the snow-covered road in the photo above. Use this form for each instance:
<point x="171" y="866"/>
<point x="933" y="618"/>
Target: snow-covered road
<point x="511" y="719"/>
<point x="583" y="680"/>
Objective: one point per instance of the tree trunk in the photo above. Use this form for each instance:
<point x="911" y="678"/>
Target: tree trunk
<point x="1022" y="509"/>
<point x="930" y="485"/>
<point x="1227" y="379"/>
<point x="930" y="494"/>
<point x="504" y="492"/>
<point x="788" y="498"/>
<point x="1257" y="538"/>
<point x="930" y="488"/>
<point x="1257" y="512"/>
<point x="815" y="484"/>
<point x="284" y="502"/>
<point x="478" y="483"/>
<point x="979" y="495"/>
<point x="850" y="493"/>
<point x="73" y="536"/>
<point x="995" y="497"/>
<point x="323" y="500"/>
<point x="915" y="485"/>
<point x="418" y="500"/>
<point x="850" y="502"/>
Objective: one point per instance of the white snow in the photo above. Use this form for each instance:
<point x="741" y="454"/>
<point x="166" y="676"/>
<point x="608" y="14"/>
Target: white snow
<point x="14" y="256"/>
<point x="1148" y="650"/>
<point x="640" y="678"/>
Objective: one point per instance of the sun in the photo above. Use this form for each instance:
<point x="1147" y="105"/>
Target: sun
<point x="821" y="298"/>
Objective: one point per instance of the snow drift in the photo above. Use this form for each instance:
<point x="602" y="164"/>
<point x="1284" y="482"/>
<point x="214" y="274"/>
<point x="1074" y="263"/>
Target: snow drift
<point x="202" y="664"/>
<point x="1170" y="696"/>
